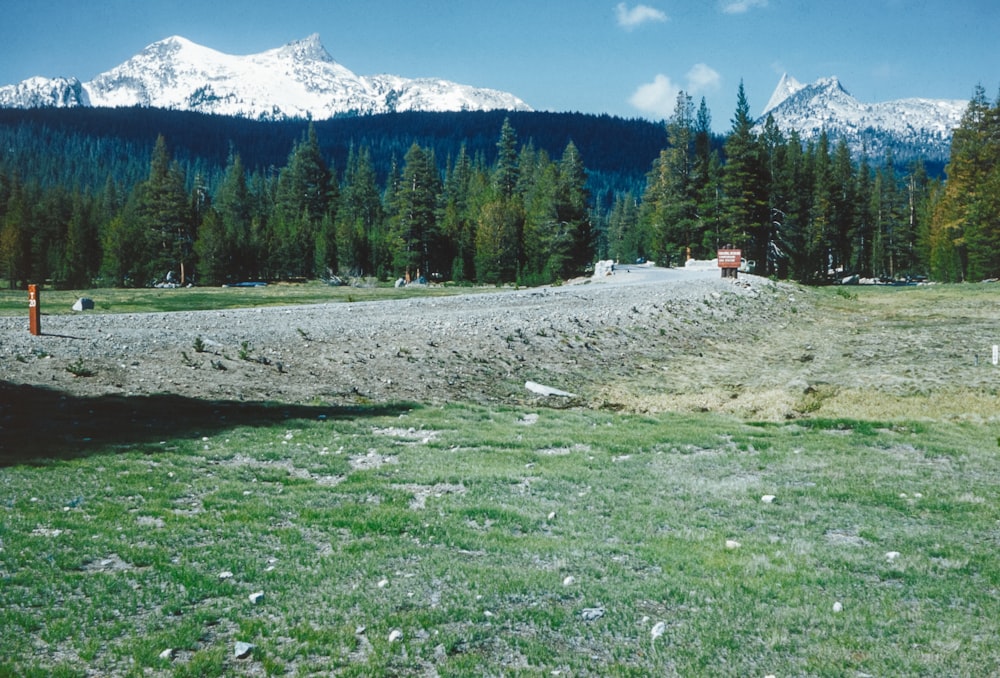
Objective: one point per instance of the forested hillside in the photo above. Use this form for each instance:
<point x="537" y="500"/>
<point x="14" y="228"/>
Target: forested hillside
<point x="132" y="197"/>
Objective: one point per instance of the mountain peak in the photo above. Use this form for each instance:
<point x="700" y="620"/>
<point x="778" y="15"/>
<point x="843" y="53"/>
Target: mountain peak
<point x="298" y="80"/>
<point x="307" y="49"/>
<point x="787" y="87"/>
<point x="911" y="127"/>
<point x="831" y="83"/>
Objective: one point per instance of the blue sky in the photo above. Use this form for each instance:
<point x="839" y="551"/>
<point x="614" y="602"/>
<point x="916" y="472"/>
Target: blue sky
<point x="592" y="56"/>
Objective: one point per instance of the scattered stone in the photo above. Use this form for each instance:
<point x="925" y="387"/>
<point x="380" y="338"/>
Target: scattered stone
<point x="768" y="498"/>
<point x="658" y="629"/>
<point x="226" y="575"/>
<point x="569" y="581"/>
<point x="552" y="515"/>
<point x="242" y="650"/>
<point x="892" y="555"/>
<point x="167" y="654"/>
<point x="83" y="304"/>
<point x="382" y="583"/>
<point x="256" y="597"/>
<point x="395" y="636"/>
<point x="592" y="613"/>
<point x="732" y="544"/>
<point x="360" y="630"/>
<point x="838" y="606"/>
<point x="46" y="532"/>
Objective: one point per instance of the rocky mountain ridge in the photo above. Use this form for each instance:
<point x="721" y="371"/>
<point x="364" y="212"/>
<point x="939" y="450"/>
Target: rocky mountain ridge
<point x="298" y="80"/>
<point x="911" y="128"/>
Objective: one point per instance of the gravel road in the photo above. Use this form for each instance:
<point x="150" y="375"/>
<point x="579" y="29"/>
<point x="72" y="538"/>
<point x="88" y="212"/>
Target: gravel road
<point x="479" y="347"/>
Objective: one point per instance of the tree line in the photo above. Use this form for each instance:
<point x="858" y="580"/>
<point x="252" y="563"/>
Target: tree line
<point x="524" y="218"/>
<point x="799" y="209"/>
<point x="807" y="210"/>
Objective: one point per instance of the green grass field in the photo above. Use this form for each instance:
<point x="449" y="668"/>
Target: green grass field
<point x="146" y="300"/>
<point x="483" y="537"/>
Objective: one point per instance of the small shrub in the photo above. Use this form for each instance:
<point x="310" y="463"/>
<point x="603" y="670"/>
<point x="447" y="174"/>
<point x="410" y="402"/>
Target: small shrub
<point x="79" y="369"/>
<point x="198" y="345"/>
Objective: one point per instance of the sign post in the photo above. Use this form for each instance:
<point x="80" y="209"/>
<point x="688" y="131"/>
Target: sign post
<point x="729" y="261"/>
<point x="34" y="310"/>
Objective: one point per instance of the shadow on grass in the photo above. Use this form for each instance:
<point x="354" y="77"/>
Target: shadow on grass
<point x="38" y="424"/>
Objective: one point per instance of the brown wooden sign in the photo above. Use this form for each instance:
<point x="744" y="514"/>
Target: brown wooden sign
<point x="730" y="258"/>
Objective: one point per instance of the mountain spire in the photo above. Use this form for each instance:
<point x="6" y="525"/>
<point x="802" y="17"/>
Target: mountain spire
<point x="787" y="86"/>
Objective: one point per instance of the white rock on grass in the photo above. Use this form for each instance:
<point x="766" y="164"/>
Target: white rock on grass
<point x="256" y="597"/>
<point x="892" y="555"/>
<point x="838" y="606"/>
<point x="242" y="650"/>
<point x="569" y="581"/>
<point x="395" y="636"/>
<point x="226" y="575"/>
<point x="768" y="498"/>
<point x="658" y="629"/>
<point x="732" y="544"/>
<point x="167" y="654"/>
<point x="592" y="613"/>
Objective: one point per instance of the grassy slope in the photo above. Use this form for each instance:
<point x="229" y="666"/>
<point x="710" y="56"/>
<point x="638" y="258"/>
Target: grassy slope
<point x="459" y="526"/>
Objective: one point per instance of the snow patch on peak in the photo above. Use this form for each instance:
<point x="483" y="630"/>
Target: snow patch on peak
<point x="787" y="87"/>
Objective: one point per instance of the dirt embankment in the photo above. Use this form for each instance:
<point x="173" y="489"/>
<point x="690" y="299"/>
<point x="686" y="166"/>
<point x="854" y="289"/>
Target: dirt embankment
<point x="699" y="343"/>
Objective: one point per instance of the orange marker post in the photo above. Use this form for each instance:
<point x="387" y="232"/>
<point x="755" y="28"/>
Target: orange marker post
<point x="34" y="310"/>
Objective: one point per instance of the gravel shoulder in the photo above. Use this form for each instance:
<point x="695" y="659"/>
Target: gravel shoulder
<point x="480" y="347"/>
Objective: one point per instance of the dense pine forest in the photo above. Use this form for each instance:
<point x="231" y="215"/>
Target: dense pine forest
<point x="136" y="197"/>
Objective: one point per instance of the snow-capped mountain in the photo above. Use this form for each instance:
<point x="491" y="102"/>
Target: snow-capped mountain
<point x="913" y="128"/>
<point x="299" y="80"/>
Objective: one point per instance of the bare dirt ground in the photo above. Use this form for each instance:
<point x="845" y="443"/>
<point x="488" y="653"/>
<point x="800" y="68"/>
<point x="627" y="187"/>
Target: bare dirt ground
<point x="644" y="340"/>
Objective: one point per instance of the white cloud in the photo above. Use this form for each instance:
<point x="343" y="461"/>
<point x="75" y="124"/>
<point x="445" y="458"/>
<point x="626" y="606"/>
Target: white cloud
<point x="659" y="98"/>
<point x="638" y="15"/>
<point x="741" y="6"/>
<point x="703" y="78"/>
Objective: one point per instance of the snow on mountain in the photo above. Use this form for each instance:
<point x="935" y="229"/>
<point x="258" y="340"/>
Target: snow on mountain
<point x="38" y="91"/>
<point x="787" y="86"/>
<point x="298" y="80"/>
<point x="912" y="128"/>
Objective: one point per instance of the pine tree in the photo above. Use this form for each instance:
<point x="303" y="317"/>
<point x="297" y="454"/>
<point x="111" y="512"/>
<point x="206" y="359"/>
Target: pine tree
<point x="232" y="246"/>
<point x="956" y="222"/>
<point x="745" y="202"/>
<point x="572" y="199"/>
<point x="505" y="175"/>
<point x="413" y="232"/>
<point x="14" y="241"/>
<point x="455" y="219"/>
<point x="670" y="202"/>
<point x="359" y="216"/>
<point x="302" y="203"/>
<point x="162" y="207"/>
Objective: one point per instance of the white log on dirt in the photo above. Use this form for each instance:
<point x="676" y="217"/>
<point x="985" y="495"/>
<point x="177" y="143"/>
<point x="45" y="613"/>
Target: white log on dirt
<point x="541" y="389"/>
